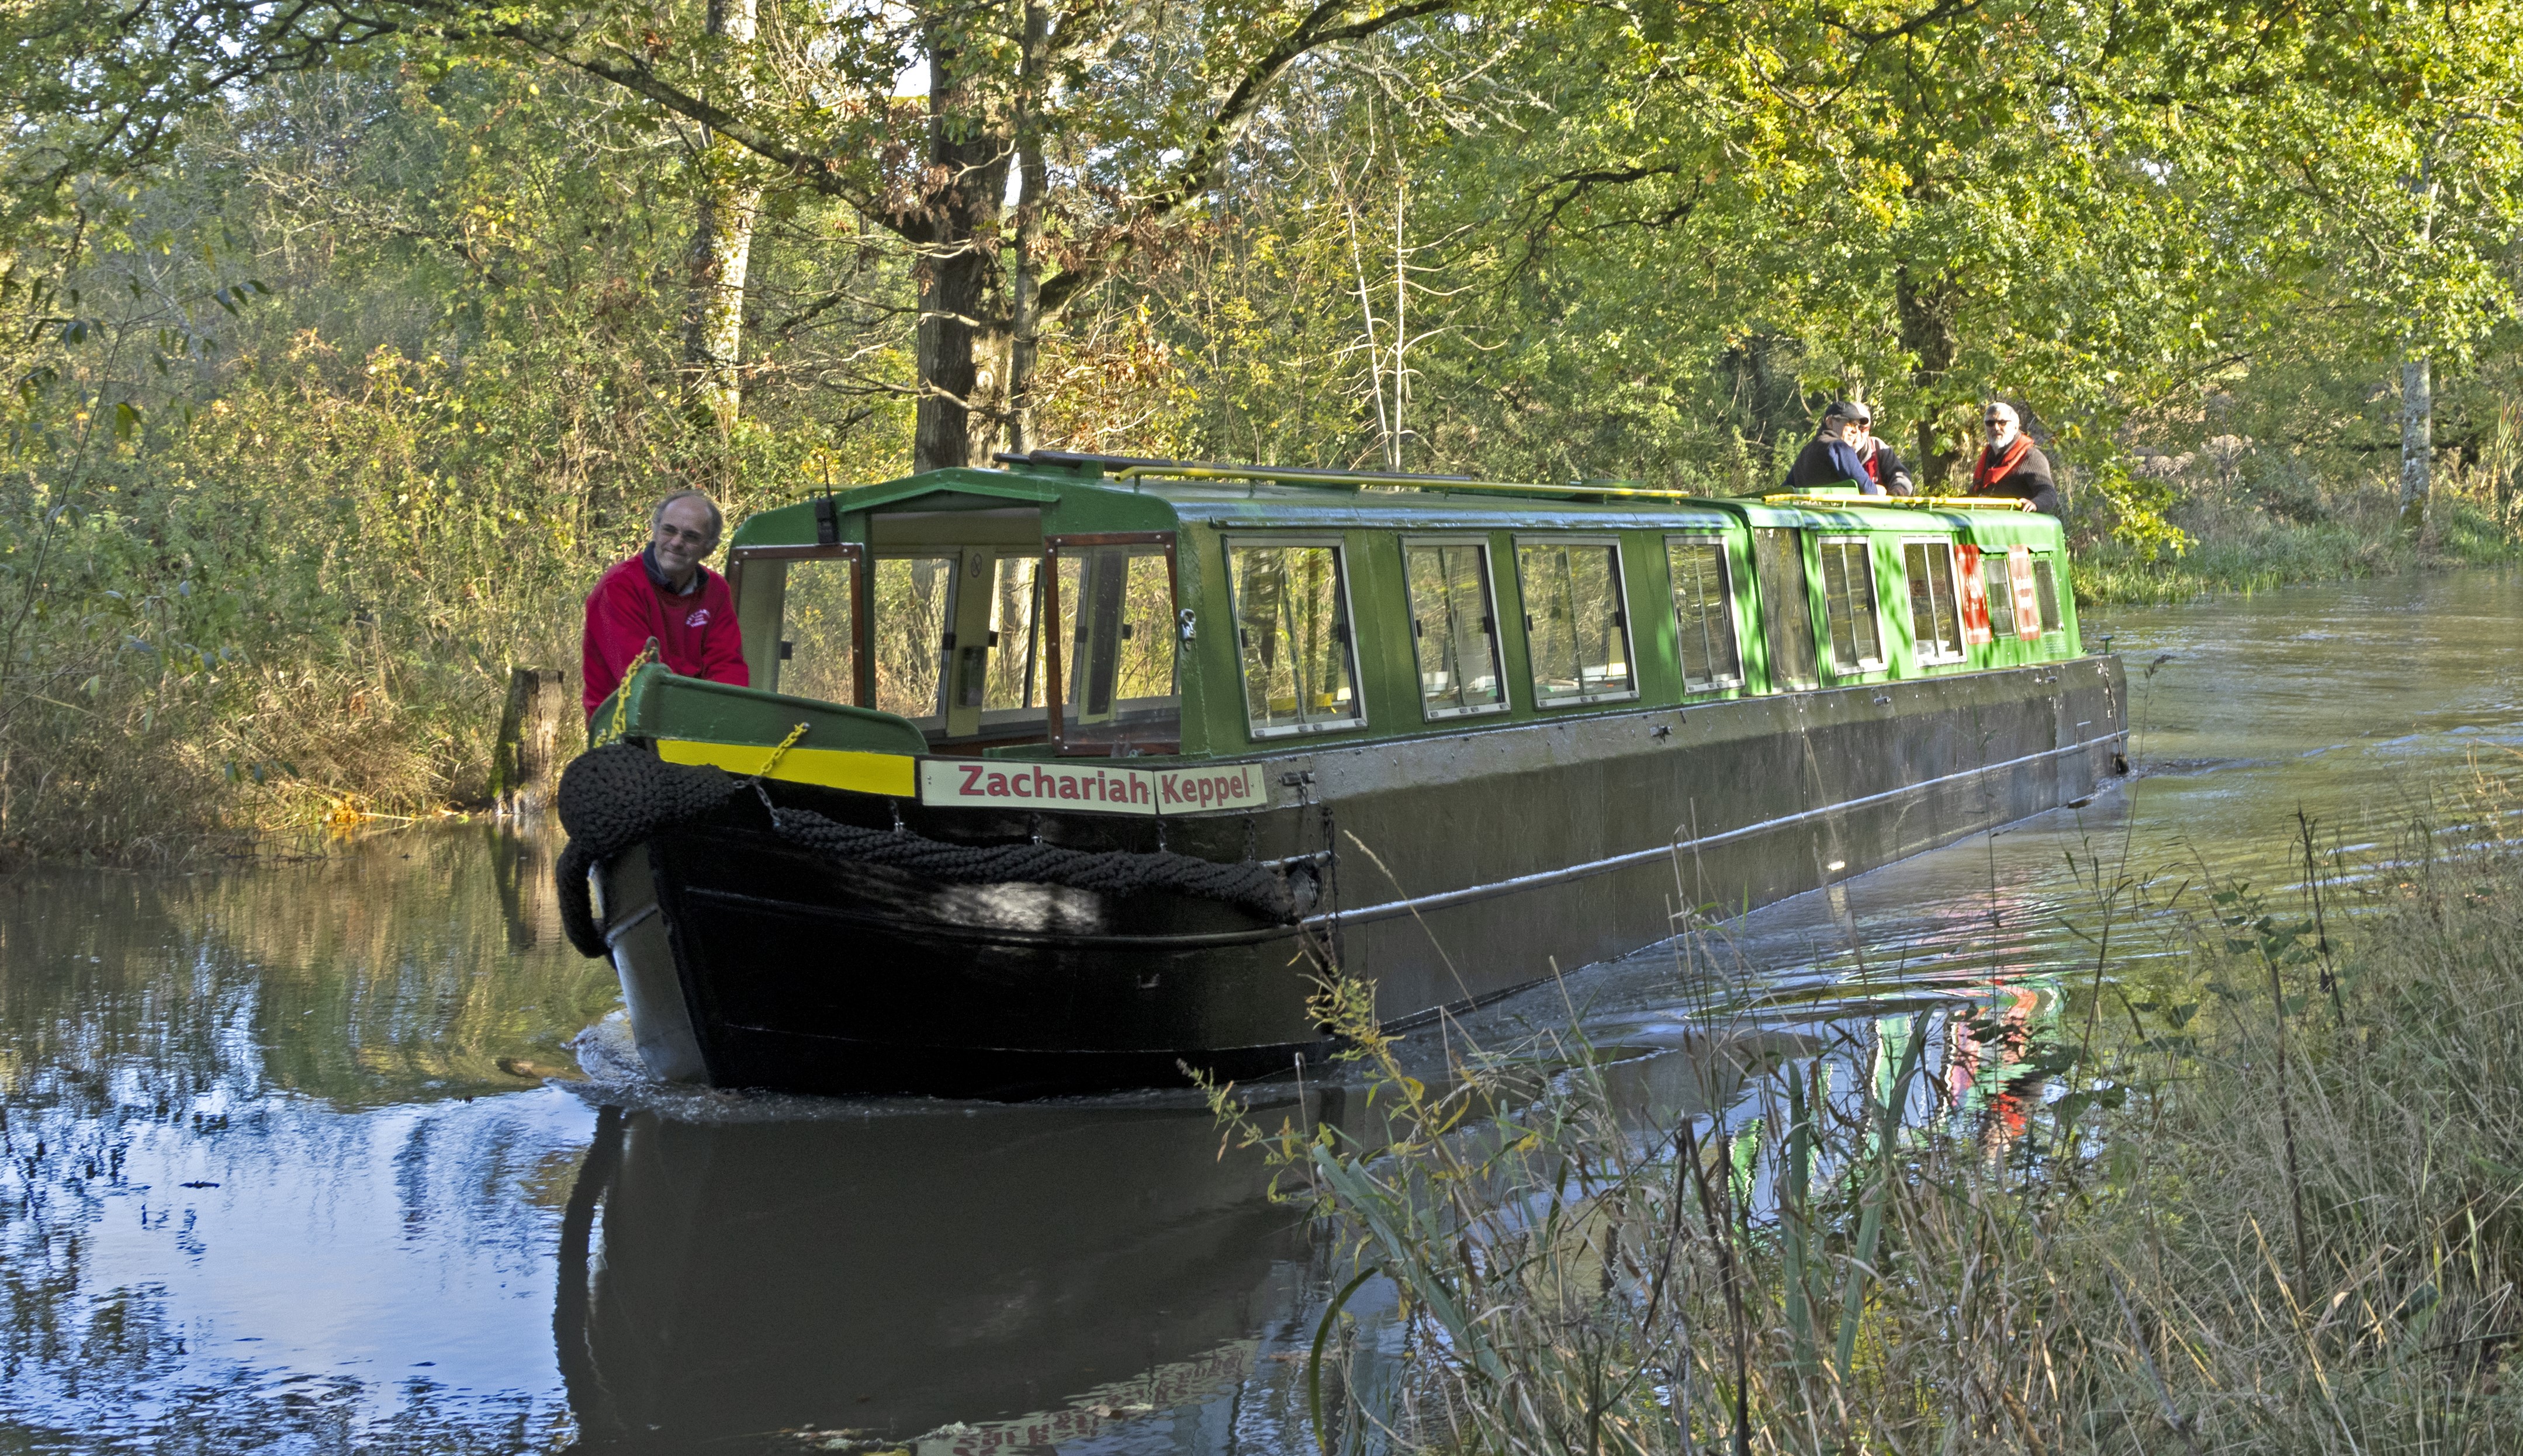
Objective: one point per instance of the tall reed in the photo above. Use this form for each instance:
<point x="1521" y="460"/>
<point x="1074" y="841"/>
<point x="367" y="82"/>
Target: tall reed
<point x="2264" y="1195"/>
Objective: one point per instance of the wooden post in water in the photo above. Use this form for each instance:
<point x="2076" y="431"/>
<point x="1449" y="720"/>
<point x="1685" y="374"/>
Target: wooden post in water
<point x="525" y="763"/>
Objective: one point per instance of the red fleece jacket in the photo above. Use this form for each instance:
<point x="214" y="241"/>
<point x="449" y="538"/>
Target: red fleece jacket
<point x="695" y="632"/>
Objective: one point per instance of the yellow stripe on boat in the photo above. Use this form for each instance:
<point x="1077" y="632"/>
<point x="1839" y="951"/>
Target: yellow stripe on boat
<point x="892" y="773"/>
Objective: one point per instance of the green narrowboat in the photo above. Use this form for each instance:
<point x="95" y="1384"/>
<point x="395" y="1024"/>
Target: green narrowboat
<point x="1077" y="774"/>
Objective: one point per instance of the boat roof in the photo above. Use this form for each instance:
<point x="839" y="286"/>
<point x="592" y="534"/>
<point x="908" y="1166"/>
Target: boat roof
<point x="1095" y="495"/>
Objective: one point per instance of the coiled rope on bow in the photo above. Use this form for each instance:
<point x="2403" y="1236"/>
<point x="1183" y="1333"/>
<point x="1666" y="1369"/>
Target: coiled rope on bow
<point x="614" y="797"/>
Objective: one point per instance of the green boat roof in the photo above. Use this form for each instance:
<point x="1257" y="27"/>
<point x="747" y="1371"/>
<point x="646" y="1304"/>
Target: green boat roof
<point x="1091" y="499"/>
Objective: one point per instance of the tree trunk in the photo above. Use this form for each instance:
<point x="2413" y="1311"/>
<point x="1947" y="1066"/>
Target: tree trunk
<point x="964" y="336"/>
<point x="1928" y="335"/>
<point x="1034" y="184"/>
<point x="2418" y="441"/>
<point x="722" y="244"/>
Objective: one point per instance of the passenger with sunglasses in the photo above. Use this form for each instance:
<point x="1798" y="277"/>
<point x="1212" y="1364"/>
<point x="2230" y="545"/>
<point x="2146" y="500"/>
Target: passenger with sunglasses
<point x="2012" y="464"/>
<point x="665" y="595"/>
<point x="1831" y="458"/>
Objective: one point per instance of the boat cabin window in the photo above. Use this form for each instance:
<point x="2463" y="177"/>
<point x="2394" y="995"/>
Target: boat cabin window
<point x="969" y="636"/>
<point x="1574" y="624"/>
<point x="1786" y="615"/>
<point x="2045" y="587"/>
<point x="953" y="640"/>
<point x="1993" y="566"/>
<point x="1703" y="611"/>
<point x="1849" y="605"/>
<point x="1935" y="609"/>
<point x="800" y="608"/>
<point x="1454" y="627"/>
<point x="1292" y="630"/>
<point x="1117" y="630"/>
<point x="908" y="644"/>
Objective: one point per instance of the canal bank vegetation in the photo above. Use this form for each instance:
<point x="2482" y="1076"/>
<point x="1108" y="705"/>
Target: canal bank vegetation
<point x="345" y="345"/>
<point x="2251" y="1188"/>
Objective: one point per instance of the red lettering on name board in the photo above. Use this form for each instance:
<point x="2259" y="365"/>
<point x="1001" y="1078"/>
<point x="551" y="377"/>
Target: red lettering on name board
<point x="1171" y="788"/>
<point x="997" y="786"/>
<point x="972" y="777"/>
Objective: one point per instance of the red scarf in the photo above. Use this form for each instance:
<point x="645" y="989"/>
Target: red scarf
<point x="1874" y="471"/>
<point x="1989" y="473"/>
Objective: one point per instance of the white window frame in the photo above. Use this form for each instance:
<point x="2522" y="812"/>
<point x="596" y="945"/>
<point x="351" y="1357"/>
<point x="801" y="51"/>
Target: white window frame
<point x="1228" y="546"/>
<point x="1489" y="600"/>
<point x="1620" y="587"/>
<point x="1734" y="626"/>
<point x="1954" y="579"/>
<point x="1878" y="662"/>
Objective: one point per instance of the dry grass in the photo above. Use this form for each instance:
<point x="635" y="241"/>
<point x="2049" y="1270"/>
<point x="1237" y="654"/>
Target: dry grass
<point x="2262" y="1197"/>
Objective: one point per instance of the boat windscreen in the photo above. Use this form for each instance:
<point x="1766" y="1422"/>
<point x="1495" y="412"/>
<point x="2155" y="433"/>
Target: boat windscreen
<point x="908" y="635"/>
<point x="818" y="636"/>
<point x="1116" y="615"/>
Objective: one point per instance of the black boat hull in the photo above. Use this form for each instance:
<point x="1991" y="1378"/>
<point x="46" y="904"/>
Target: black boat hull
<point x="1451" y="871"/>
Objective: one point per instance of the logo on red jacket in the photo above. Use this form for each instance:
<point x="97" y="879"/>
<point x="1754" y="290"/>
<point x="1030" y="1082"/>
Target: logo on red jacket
<point x="698" y="618"/>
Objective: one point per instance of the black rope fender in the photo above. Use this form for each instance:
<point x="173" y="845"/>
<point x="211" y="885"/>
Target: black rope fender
<point x="610" y="799"/>
<point x="614" y="797"/>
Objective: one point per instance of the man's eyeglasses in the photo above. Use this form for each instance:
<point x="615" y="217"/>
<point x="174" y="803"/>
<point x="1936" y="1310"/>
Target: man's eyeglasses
<point x="688" y="538"/>
<point x="1993" y="421"/>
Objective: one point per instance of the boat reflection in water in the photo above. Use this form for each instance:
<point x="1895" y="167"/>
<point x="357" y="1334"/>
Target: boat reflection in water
<point x="988" y="1279"/>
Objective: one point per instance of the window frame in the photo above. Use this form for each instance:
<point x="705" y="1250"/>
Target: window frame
<point x="1055" y="653"/>
<point x="1620" y="594"/>
<point x="1771" y="613"/>
<point x="2045" y="595"/>
<point x="1880" y="662"/>
<point x="1228" y="544"/>
<point x="932" y="724"/>
<point x="1733" y="629"/>
<point x="1999" y="602"/>
<point x="860" y="590"/>
<point x="1954" y="584"/>
<point x="1489" y="600"/>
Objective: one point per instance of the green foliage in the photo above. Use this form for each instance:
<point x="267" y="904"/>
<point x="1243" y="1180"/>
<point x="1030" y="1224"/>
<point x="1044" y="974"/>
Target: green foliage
<point x="351" y="413"/>
<point x="346" y="344"/>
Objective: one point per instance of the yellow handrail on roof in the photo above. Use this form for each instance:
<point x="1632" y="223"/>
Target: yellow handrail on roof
<point x="1413" y="482"/>
<point x="1911" y="502"/>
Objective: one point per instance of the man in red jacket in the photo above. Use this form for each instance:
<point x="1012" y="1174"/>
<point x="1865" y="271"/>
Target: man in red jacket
<point x="666" y="593"/>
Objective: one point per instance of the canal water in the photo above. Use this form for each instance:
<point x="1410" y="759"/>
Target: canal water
<point x="305" y="1156"/>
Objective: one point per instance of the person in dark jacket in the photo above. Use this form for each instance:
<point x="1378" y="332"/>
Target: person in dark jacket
<point x="1882" y="463"/>
<point x="665" y="594"/>
<point x="1831" y="458"/>
<point x="2012" y="464"/>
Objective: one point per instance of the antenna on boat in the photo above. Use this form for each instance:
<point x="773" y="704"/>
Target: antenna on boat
<point x="828" y="515"/>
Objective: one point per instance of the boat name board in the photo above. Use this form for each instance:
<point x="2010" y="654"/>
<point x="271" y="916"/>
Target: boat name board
<point x="946" y="782"/>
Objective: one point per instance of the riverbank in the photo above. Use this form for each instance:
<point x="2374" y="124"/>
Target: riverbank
<point x="2251" y="1182"/>
<point x="2248" y="545"/>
